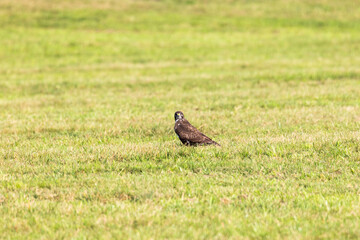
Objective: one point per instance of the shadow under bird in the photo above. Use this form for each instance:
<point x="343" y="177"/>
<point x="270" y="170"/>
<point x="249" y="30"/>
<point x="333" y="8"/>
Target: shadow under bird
<point x="188" y="134"/>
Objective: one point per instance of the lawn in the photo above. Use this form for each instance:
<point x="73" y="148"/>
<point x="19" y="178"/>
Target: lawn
<point x="88" y="90"/>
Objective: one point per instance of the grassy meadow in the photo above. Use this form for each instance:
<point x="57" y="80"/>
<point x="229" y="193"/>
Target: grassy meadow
<point x="88" y="90"/>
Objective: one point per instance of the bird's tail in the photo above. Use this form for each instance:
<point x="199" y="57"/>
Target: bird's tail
<point x="215" y="143"/>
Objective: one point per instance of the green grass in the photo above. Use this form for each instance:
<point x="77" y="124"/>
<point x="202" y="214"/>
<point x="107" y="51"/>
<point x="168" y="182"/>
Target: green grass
<point x="88" y="90"/>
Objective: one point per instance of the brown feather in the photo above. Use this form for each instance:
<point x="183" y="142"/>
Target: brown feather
<point x="189" y="135"/>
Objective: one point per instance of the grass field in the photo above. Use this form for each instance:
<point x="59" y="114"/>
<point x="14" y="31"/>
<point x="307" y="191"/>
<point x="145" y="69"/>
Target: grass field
<point x="88" y="90"/>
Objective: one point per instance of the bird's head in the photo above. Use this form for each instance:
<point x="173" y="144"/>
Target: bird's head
<point x="178" y="115"/>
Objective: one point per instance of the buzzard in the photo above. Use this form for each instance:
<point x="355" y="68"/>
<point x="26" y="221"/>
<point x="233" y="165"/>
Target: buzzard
<point x="188" y="134"/>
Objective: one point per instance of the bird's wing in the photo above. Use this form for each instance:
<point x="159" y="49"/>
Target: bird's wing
<point x="188" y="132"/>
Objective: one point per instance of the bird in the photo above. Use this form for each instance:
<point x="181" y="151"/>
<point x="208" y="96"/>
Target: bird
<point x="188" y="134"/>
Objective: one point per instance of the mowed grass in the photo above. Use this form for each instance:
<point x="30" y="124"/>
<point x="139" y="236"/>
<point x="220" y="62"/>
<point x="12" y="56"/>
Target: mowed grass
<point x="88" y="90"/>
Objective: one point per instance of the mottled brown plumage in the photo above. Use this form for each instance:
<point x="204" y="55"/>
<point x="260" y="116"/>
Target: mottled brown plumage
<point x="188" y="134"/>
